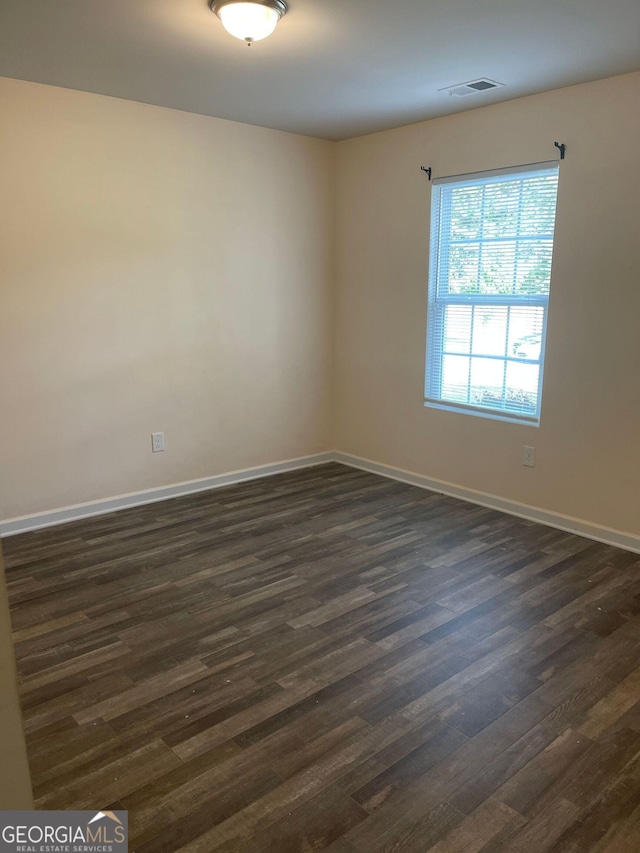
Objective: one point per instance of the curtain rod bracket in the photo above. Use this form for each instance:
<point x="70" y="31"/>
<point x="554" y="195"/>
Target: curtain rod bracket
<point x="427" y="170"/>
<point x="562" y="148"/>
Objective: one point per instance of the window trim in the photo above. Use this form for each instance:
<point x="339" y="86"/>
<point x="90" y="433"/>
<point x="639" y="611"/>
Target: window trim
<point x="437" y="304"/>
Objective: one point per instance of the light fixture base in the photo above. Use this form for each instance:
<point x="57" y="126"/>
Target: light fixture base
<point x="278" y="6"/>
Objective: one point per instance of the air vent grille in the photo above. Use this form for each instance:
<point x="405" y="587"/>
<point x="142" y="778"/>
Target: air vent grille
<point x="461" y="90"/>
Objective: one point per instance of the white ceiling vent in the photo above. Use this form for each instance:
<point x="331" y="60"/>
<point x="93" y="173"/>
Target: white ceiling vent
<point x="472" y="87"/>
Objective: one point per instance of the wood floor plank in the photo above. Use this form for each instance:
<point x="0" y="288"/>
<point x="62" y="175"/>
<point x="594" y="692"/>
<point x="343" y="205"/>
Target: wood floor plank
<point x="478" y="829"/>
<point x="330" y="660"/>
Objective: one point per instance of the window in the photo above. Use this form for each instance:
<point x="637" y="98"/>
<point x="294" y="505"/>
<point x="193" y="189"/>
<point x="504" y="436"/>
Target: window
<point x="491" y="248"/>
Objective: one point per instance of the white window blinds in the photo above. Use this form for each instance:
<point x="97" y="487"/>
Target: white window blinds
<point x="490" y="268"/>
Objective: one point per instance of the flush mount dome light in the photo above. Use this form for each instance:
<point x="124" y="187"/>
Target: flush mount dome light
<point x="249" y="21"/>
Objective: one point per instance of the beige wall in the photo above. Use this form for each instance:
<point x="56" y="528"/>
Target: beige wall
<point x="159" y="271"/>
<point x="15" y="782"/>
<point x="588" y="457"/>
<point x="166" y="271"/>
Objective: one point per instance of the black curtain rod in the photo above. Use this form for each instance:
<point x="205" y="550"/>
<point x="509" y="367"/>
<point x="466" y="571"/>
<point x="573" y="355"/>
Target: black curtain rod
<point x="559" y="145"/>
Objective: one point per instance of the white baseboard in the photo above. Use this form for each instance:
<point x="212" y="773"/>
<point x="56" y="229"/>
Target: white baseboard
<point x="25" y="523"/>
<point x="607" y="535"/>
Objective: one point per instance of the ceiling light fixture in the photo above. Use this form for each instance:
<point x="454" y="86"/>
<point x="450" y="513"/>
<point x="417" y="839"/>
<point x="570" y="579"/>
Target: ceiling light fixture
<point x="249" y="21"/>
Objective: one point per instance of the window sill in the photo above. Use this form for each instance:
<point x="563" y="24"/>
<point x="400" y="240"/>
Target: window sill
<point x="482" y="413"/>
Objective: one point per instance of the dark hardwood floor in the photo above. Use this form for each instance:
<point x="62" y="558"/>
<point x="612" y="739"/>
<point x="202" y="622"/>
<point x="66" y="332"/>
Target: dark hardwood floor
<point x="329" y="660"/>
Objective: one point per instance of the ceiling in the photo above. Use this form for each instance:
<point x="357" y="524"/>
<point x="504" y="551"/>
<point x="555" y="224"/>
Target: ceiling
<point x="333" y="68"/>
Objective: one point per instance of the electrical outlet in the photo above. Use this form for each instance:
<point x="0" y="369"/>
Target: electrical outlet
<point x="529" y="457"/>
<point x="157" y="442"/>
